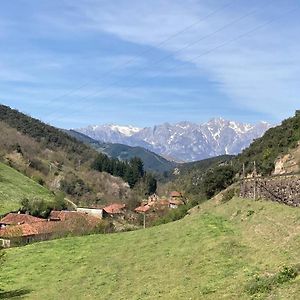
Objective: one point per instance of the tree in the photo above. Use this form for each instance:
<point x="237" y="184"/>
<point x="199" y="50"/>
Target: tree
<point x="218" y="179"/>
<point x="151" y="184"/>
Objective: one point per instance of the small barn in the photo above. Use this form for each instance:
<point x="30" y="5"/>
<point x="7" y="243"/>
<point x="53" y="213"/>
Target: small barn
<point x="175" y="203"/>
<point x="115" y="210"/>
<point x="95" y="212"/>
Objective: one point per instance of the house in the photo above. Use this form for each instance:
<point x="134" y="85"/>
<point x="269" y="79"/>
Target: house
<point x="176" y="199"/>
<point x="18" y="219"/>
<point x="153" y="199"/>
<point x="22" y="229"/>
<point x="143" y="209"/>
<point x="96" y="212"/>
<point x="175" y="195"/>
<point x="175" y="203"/>
<point x="114" y="210"/>
<point x="21" y="234"/>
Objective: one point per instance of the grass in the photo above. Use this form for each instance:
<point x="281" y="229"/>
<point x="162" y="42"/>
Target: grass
<point x="14" y="186"/>
<point x="215" y="253"/>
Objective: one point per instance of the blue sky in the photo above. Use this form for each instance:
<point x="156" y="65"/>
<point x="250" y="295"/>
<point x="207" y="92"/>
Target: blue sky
<point x="74" y="63"/>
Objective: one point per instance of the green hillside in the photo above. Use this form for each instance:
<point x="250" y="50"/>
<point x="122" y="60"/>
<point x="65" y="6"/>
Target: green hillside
<point x="236" y="250"/>
<point x="14" y="186"/>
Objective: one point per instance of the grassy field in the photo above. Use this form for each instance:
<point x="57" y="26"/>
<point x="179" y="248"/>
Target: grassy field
<point x="14" y="186"/>
<point x="212" y="254"/>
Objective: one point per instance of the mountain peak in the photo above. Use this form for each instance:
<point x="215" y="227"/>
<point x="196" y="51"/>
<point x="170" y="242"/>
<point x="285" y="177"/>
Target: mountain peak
<point x="127" y="130"/>
<point x="184" y="141"/>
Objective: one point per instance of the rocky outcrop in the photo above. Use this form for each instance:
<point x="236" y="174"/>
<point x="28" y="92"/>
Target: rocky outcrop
<point x="288" y="163"/>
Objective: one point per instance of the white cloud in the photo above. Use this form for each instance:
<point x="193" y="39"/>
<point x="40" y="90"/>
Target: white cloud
<point x="258" y="71"/>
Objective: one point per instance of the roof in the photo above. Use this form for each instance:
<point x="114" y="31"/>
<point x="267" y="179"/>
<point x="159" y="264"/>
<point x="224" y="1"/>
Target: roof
<point x="69" y="222"/>
<point x="175" y="194"/>
<point x="65" y="215"/>
<point x="27" y="229"/>
<point x="14" y="219"/>
<point x="163" y="202"/>
<point x="142" y="209"/>
<point x="176" y="202"/>
<point x="114" y="208"/>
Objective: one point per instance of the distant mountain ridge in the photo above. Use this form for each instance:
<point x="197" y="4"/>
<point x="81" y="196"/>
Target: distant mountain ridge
<point x="183" y="141"/>
<point x="152" y="161"/>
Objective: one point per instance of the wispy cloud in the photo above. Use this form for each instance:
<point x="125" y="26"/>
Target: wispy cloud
<point x="114" y="49"/>
<point x="254" y="71"/>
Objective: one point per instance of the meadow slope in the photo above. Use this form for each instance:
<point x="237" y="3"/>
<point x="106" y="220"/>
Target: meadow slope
<point x="14" y="186"/>
<point x="211" y="254"/>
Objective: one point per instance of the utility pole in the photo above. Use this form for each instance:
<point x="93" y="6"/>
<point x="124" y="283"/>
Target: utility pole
<point x="254" y="175"/>
<point x="243" y="178"/>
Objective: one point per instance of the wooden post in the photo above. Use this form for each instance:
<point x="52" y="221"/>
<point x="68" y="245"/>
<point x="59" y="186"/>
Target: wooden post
<point x="144" y="220"/>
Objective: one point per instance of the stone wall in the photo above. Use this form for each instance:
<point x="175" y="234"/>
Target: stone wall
<point x="284" y="189"/>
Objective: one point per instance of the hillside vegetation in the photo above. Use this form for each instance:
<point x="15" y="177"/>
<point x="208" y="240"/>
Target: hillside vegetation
<point x="14" y="187"/>
<point x="238" y="250"/>
<point x="62" y="163"/>
<point x="275" y="142"/>
<point x="194" y="178"/>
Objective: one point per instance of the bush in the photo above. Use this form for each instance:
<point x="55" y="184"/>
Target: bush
<point x="41" y="208"/>
<point x="264" y="284"/>
<point x="36" y="207"/>
<point x="228" y="195"/>
<point x="176" y="213"/>
<point x="38" y="179"/>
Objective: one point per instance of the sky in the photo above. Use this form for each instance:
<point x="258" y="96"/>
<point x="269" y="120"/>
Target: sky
<point x="75" y="63"/>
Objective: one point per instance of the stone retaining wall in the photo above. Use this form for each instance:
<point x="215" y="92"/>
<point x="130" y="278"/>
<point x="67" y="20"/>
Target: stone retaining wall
<point x="284" y="189"/>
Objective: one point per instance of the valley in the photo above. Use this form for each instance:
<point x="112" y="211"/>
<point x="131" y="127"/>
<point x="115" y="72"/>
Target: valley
<point x="149" y="150"/>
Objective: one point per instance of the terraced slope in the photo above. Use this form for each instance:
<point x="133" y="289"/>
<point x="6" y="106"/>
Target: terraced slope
<point x="14" y="186"/>
<point x="215" y="253"/>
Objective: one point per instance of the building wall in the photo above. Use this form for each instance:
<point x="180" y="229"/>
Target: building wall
<point x="91" y="211"/>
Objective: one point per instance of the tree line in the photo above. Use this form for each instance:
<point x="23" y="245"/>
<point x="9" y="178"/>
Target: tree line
<point x="131" y="171"/>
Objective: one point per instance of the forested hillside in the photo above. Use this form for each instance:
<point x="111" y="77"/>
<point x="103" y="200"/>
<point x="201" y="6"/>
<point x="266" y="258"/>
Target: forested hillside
<point x="54" y="159"/>
<point x="265" y="150"/>
<point x="194" y="179"/>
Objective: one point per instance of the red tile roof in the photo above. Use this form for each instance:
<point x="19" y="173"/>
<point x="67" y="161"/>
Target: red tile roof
<point x="176" y="194"/>
<point x="27" y="229"/>
<point x="14" y="219"/>
<point x="142" y="209"/>
<point x="71" y="222"/>
<point x="115" y="208"/>
<point x="176" y="202"/>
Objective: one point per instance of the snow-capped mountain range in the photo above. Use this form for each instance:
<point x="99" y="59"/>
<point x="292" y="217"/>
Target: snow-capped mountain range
<point x="184" y="141"/>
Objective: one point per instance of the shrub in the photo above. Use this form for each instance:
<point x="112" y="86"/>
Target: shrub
<point x="264" y="284"/>
<point x="38" y="179"/>
<point x="228" y="195"/>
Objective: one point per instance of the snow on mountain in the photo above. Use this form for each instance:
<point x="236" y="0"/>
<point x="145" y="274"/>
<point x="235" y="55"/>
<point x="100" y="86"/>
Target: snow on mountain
<point x="184" y="141"/>
<point x="126" y="130"/>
